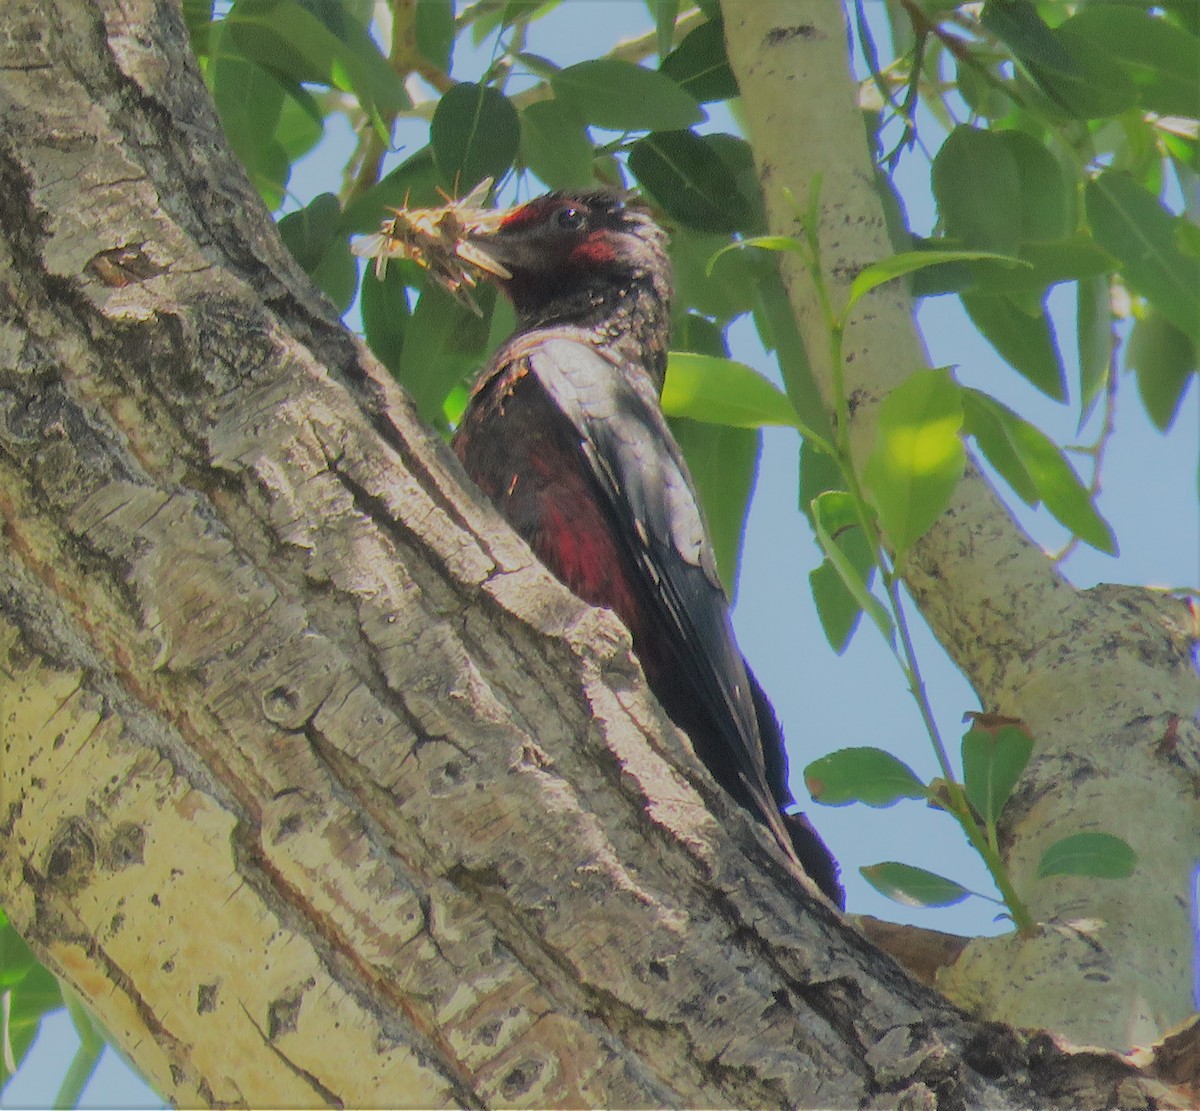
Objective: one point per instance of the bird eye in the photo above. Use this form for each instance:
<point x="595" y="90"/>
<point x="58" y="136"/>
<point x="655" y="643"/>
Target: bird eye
<point x="571" y="219"/>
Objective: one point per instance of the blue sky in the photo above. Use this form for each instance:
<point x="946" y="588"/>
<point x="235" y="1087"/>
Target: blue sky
<point x="824" y="701"/>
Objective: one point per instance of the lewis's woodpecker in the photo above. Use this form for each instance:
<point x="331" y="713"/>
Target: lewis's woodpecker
<point x="564" y="433"/>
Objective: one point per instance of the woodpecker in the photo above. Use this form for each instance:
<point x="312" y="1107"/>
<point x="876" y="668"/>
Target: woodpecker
<point x="564" y="433"/>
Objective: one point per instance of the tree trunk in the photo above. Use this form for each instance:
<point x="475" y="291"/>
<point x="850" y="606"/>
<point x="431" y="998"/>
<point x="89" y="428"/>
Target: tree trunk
<point x="315" y="785"/>
<point x="1103" y="678"/>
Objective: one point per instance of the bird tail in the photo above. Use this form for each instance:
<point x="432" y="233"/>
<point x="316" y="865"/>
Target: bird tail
<point x="814" y="857"/>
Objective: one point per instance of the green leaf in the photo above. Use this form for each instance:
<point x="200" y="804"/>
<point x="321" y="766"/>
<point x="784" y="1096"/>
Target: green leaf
<point x="1183" y="151"/>
<point x="526" y="11"/>
<point x="776" y="310"/>
<point x="17" y="960"/>
<point x="433" y="30"/>
<point x="1184" y="12"/>
<point x="1100" y="855"/>
<point x="288" y="39"/>
<point x="313" y="236"/>
<point x="722" y="391"/>
<point x="991" y="435"/>
<point x="1165" y="361"/>
<point x="723" y="462"/>
<point x="665" y="14"/>
<point x="700" y="66"/>
<point x="896" y="266"/>
<point x="36" y="995"/>
<point x="249" y="101"/>
<point x="918" y="456"/>
<point x="1047" y="207"/>
<point x="819" y="472"/>
<point x="992" y="763"/>
<point x="485" y="21"/>
<point x="337" y="274"/>
<point x="1138" y="230"/>
<point x="1096" y="85"/>
<point x="828" y="512"/>
<point x="729" y="291"/>
<point x="555" y="145"/>
<point x="761" y="242"/>
<point x="1017" y="23"/>
<point x="301" y="125"/>
<point x="335" y="16"/>
<point x="1027" y="343"/>
<point x="1130" y="144"/>
<point x="621" y="96"/>
<point x="30" y="998"/>
<point x="737" y="154"/>
<point x="697" y="334"/>
<point x="1093" y="312"/>
<point x="361" y="66"/>
<point x="687" y="176"/>
<point x="1045" y="264"/>
<point x="1187" y="235"/>
<point x="475" y="133"/>
<point x="385" y="314"/>
<point x="538" y="65"/>
<point x="998" y="188"/>
<point x="1035" y="267"/>
<point x="867" y="775"/>
<point x="978" y="188"/>
<point x="443" y="342"/>
<point x="836" y="511"/>
<point x="1053" y="478"/>
<point x="984" y="97"/>
<point x="309" y="232"/>
<point x="913" y="887"/>
<point x="837" y="609"/>
<point x="1161" y="58"/>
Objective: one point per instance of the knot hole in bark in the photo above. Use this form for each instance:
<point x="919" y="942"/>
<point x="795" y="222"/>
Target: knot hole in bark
<point x="72" y="855"/>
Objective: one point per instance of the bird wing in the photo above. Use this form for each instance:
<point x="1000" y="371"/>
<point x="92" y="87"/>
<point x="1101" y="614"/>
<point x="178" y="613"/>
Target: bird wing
<point x="646" y="490"/>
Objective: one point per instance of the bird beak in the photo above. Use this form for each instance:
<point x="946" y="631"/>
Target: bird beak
<point x="507" y="249"/>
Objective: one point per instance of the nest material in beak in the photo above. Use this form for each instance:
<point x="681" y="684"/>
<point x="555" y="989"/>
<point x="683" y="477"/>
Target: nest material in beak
<point x="440" y="240"/>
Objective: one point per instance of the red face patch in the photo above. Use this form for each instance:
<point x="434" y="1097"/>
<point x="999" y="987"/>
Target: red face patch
<point x="595" y="249"/>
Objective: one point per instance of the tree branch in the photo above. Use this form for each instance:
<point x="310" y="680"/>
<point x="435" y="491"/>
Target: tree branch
<point x="316" y="787"/>
<point x="1097" y="675"/>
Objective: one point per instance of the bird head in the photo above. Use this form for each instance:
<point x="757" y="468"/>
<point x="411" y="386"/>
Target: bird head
<point x="568" y="251"/>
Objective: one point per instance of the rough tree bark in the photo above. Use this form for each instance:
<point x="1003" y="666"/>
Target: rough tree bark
<point x="315" y="786"/>
<point x="1103" y="678"/>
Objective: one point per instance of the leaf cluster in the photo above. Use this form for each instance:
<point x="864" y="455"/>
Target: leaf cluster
<point x="993" y="756"/>
<point x="1071" y="126"/>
